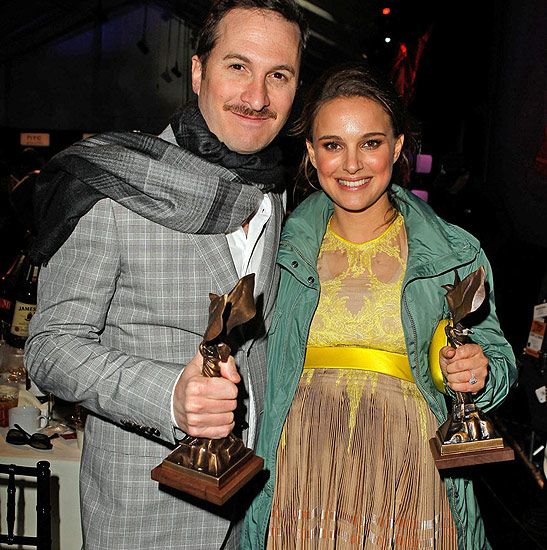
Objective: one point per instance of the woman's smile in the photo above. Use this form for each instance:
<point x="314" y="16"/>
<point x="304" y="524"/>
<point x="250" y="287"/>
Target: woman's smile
<point x="353" y="184"/>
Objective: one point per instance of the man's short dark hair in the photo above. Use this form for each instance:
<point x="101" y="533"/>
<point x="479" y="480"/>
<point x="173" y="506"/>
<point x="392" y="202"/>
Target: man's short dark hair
<point x="208" y="34"/>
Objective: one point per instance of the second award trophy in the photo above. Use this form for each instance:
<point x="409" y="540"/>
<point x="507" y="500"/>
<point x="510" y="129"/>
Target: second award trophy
<point x="468" y="437"/>
<point x="215" y="469"/>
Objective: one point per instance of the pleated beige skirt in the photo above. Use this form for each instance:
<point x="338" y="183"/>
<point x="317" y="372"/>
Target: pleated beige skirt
<point x="354" y="469"/>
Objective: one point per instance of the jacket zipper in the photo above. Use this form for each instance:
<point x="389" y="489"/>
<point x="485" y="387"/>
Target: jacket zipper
<point x="294" y="249"/>
<point x="413" y="324"/>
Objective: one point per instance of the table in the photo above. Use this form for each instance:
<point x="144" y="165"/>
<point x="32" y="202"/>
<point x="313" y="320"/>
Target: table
<point x="64" y="459"/>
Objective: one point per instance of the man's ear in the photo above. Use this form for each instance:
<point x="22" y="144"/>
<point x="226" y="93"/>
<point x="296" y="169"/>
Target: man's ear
<point x="311" y="153"/>
<point x="196" y="74"/>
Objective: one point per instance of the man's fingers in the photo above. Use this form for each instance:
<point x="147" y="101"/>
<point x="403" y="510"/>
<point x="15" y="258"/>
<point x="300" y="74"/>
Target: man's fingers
<point x="213" y="432"/>
<point x="196" y="404"/>
<point x="203" y="425"/>
<point x="228" y="370"/>
<point x="193" y="368"/>
<point x="217" y="389"/>
<point x="210" y="420"/>
<point x="218" y="433"/>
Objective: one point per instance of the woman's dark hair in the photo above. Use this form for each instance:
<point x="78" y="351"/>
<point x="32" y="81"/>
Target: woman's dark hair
<point x="208" y="34"/>
<point x="354" y="79"/>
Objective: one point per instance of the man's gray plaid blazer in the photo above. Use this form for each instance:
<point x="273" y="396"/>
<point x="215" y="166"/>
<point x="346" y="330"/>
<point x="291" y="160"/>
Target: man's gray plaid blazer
<point x="123" y="305"/>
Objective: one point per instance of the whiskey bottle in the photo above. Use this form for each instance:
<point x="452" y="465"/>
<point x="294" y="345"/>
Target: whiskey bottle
<point x="24" y="305"/>
<point x="8" y="283"/>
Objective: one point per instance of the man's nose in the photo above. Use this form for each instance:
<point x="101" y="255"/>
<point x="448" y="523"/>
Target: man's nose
<point x="255" y="94"/>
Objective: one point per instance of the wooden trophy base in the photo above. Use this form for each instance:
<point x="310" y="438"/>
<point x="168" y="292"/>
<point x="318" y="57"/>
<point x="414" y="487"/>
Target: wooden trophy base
<point x="457" y="455"/>
<point x="216" y="490"/>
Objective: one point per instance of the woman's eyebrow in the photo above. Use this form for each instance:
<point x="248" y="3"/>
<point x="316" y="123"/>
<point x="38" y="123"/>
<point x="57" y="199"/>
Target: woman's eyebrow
<point x="368" y="134"/>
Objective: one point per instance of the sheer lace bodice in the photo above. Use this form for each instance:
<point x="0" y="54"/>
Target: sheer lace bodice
<point x="360" y="296"/>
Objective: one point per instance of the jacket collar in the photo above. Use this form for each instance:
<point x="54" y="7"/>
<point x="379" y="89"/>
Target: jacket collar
<point x="302" y="236"/>
<point x="434" y="245"/>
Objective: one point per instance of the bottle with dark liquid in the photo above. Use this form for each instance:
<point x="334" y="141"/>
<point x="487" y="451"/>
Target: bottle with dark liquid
<point x="8" y="283"/>
<point x="24" y="305"/>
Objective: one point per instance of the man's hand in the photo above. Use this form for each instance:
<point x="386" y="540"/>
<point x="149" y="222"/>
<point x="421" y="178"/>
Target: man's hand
<point x="461" y="365"/>
<point x="203" y="407"/>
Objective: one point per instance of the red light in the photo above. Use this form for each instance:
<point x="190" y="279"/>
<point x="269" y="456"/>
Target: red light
<point x="386" y="11"/>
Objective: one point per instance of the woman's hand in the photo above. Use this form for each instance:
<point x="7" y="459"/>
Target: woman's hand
<point x="462" y="366"/>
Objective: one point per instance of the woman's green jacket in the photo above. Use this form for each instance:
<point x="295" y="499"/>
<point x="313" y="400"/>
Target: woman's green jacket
<point x="435" y="250"/>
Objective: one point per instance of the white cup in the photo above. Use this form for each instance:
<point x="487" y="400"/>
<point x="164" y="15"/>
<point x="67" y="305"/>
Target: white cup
<point x="29" y="418"/>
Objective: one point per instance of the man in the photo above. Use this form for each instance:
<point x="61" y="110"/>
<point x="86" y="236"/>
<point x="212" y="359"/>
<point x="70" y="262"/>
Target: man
<point x="137" y="231"/>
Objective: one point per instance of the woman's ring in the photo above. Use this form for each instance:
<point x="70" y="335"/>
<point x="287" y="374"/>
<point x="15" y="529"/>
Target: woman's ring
<point x="472" y="380"/>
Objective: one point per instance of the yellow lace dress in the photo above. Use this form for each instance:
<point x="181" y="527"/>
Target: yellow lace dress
<point x="354" y="468"/>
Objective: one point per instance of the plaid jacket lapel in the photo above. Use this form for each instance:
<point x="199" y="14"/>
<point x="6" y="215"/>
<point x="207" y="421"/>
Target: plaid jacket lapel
<point x="217" y="260"/>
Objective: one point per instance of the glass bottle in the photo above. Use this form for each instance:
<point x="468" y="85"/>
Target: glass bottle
<point x="8" y="283"/>
<point x="24" y="305"/>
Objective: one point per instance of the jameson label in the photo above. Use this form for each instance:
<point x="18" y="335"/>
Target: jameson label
<point x="21" y="318"/>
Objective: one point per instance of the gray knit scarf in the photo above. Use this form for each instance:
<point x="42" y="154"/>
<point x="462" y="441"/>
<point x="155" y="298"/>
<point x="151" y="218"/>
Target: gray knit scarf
<point x="198" y="186"/>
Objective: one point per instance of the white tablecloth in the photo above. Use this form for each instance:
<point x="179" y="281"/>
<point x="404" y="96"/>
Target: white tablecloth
<point x="65" y="464"/>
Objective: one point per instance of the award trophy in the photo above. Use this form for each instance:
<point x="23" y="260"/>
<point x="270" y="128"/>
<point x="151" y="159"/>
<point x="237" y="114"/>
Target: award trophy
<point x="468" y="436"/>
<point x="215" y="469"/>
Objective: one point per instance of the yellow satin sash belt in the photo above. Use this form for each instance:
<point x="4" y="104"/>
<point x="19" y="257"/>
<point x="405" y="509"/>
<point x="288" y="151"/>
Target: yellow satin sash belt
<point x="375" y="360"/>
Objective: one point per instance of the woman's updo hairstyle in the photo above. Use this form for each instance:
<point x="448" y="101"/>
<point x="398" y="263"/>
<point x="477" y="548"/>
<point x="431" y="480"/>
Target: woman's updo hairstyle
<point x="353" y="79"/>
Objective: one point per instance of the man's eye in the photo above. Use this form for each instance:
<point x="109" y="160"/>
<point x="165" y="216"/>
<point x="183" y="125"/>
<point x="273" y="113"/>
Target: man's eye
<point x="279" y="76"/>
<point x="236" y="66"/>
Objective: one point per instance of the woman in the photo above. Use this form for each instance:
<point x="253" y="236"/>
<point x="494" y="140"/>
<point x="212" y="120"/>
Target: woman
<point x="351" y="402"/>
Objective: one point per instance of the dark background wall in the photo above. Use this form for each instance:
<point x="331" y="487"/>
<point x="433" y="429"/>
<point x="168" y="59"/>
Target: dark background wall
<point x="518" y="237"/>
<point x="98" y="79"/>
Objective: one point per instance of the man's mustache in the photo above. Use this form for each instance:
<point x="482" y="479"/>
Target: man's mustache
<point x="246" y="111"/>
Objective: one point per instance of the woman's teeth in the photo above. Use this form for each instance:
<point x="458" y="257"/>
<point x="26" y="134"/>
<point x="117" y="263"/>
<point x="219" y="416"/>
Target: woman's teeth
<point x="357" y="183"/>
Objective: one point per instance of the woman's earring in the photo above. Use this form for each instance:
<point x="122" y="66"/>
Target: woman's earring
<point x="307" y="176"/>
<point x="310" y="183"/>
